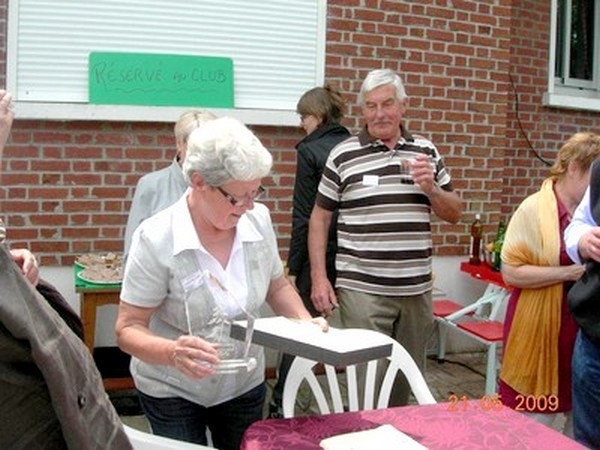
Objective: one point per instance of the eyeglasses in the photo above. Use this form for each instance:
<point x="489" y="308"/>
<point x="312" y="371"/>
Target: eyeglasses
<point x="239" y="202"/>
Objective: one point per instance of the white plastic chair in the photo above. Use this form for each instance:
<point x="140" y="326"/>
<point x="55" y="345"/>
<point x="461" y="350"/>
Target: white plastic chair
<point x="482" y="324"/>
<point x="141" y="440"/>
<point x="399" y="360"/>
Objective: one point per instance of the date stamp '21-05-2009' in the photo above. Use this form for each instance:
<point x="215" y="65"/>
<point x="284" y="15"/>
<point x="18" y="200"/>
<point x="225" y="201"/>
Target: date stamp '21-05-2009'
<point x="491" y="403"/>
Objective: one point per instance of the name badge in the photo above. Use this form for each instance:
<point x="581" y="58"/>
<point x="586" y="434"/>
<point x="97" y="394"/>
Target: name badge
<point x="370" y="180"/>
<point x="194" y="281"/>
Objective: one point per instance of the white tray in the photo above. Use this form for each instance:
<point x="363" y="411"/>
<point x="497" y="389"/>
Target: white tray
<point x="337" y="347"/>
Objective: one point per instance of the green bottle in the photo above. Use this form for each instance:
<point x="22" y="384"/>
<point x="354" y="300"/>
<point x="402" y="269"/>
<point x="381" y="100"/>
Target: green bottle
<point x="496" y="260"/>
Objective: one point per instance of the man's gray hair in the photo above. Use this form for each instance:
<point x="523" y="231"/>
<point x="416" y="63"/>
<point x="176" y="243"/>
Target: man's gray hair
<point x="381" y="77"/>
<point x="224" y="150"/>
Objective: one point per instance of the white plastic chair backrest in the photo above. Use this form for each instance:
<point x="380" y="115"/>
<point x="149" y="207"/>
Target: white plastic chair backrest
<point x="141" y="440"/>
<point x="399" y="360"/>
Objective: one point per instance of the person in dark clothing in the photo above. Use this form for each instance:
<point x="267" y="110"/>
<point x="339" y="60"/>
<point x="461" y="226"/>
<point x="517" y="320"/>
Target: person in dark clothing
<point x="320" y="110"/>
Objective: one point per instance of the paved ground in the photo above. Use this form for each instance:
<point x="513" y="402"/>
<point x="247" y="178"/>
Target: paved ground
<point x="460" y="375"/>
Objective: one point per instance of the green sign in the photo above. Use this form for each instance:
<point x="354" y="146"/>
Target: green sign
<point x="160" y="80"/>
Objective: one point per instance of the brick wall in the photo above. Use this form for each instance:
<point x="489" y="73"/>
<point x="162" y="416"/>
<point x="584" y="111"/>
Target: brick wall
<point x="545" y="128"/>
<point x="68" y="185"/>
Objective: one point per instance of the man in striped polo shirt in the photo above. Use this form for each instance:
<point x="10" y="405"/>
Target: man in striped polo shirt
<point x="385" y="183"/>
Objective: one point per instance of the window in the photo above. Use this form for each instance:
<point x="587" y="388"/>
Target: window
<point x="277" y="48"/>
<point x="574" y="80"/>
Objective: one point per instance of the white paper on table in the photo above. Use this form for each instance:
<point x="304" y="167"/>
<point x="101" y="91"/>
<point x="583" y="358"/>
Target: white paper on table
<point x="384" y="437"/>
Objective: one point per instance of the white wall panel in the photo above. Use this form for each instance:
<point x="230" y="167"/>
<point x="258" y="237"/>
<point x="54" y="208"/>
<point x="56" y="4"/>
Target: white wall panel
<point x="277" y="46"/>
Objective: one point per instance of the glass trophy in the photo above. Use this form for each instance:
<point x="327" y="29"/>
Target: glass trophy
<point x="235" y="356"/>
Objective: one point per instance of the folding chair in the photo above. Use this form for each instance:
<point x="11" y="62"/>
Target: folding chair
<point x="478" y="321"/>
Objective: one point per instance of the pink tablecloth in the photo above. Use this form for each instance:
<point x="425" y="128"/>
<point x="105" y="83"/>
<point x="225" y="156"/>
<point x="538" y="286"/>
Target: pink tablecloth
<point x="466" y="425"/>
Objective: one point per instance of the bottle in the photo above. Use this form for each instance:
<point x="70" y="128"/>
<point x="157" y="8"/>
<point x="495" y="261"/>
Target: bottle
<point x="476" y="235"/>
<point x="496" y="260"/>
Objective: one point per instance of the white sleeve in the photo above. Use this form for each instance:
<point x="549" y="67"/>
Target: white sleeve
<point x="146" y="277"/>
<point x="581" y="223"/>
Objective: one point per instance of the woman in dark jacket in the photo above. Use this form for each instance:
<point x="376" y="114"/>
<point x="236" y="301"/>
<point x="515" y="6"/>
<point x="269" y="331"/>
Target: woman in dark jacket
<point x="320" y="110"/>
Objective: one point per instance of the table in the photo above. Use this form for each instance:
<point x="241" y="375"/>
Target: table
<point x="495" y="293"/>
<point x="484" y="272"/>
<point x="93" y="296"/>
<point x="473" y="424"/>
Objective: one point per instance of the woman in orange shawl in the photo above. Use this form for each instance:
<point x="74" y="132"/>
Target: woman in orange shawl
<point x="539" y="332"/>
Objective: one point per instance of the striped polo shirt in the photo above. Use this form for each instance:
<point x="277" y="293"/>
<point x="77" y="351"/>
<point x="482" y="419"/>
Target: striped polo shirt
<point x="384" y="223"/>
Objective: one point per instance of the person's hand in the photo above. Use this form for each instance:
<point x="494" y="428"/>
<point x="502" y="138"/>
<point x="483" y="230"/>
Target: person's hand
<point x="321" y="322"/>
<point x="323" y="296"/>
<point x="573" y="272"/>
<point x="589" y="244"/>
<point x="421" y="171"/>
<point x="27" y="263"/>
<point x="194" y="357"/>
<point x="6" y="116"/>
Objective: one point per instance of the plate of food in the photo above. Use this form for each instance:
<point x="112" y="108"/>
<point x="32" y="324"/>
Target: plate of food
<point x="87" y="260"/>
<point x="101" y="275"/>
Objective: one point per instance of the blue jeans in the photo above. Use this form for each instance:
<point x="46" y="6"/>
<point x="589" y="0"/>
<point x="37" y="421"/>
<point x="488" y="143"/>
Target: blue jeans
<point x="586" y="391"/>
<point x="183" y="420"/>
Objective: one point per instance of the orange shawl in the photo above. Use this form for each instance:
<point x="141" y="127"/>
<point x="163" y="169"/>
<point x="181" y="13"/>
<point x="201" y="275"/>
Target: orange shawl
<point x="530" y="361"/>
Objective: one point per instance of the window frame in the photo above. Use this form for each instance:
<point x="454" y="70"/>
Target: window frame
<point x="48" y="110"/>
<point x="572" y="93"/>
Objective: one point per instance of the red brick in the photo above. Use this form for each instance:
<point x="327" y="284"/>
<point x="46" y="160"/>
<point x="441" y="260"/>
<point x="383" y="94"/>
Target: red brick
<point x="24" y="151"/>
<point x="108" y="246"/>
<point x="48" y="219"/>
<point x="109" y="192"/>
<point x="48" y="192"/>
<point x="79" y="219"/>
<point x="21" y="206"/>
<point x="47" y="246"/>
<point x="51" y="165"/>
<point x="52" y="137"/>
<point x="110" y="219"/>
<point x="83" y="151"/>
<point x="80" y="247"/>
<point x="113" y="139"/>
<point x="80" y="233"/>
<point x="81" y="206"/>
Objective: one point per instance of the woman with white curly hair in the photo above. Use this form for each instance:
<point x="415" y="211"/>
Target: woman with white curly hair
<point x="209" y="259"/>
